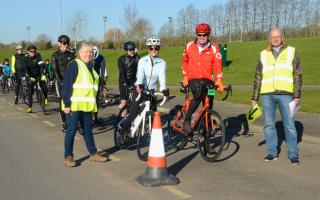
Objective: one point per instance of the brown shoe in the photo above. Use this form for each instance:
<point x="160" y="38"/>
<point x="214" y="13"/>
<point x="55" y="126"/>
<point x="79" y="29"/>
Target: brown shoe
<point x="69" y="162"/>
<point x="98" y="158"/>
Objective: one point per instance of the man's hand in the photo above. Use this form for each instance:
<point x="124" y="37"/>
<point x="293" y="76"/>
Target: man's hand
<point x="219" y="85"/>
<point x="67" y="110"/>
<point x="185" y="81"/>
<point x="253" y="103"/>
<point x="297" y="101"/>
<point x="32" y="79"/>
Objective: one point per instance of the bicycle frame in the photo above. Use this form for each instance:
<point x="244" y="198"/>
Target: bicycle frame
<point x="185" y="108"/>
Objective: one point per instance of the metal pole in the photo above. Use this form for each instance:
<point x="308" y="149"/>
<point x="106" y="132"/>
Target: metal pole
<point x="104" y="25"/>
<point x="29" y="29"/>
<point x="61" y="26"/>
<point x="170" y="30"/>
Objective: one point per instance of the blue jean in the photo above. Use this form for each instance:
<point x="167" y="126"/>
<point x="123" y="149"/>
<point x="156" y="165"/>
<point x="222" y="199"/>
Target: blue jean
<point x="269" y="103"/>
<point x="85" y="119"/>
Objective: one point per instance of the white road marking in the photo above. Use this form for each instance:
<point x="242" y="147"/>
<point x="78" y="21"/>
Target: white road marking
<point x="177" y="192"/>
<point x="20" y="109"/>
<point x="49" y="123"/>
<point x="34" y="115"/>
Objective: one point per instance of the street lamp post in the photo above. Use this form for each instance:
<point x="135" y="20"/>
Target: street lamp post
<point x="61" y="27"/>
<point x="104" y="24"/>
<point x="29" y="29"/>
<point x="170" y="30"/>
<point x="104" y="28"/>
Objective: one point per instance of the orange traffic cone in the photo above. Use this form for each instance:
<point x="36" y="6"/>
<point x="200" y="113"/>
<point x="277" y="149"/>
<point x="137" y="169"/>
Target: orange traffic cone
<point x="156" y="173"/>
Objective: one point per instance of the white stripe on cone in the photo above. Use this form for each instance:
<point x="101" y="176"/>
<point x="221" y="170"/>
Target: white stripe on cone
<point x="156" y="144"/>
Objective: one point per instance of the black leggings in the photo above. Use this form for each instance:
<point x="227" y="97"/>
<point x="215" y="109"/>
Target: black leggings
<point x="31" y="85"/>
<point x="18" y="84"/>
<point x="199" y="91"/>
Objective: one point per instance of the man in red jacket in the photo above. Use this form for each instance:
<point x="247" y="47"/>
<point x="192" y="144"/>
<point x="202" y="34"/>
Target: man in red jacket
<point x="200" y="58"/>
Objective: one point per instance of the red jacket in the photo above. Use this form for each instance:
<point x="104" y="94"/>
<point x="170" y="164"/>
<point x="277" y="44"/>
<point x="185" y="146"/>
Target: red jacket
<point x="197" y="65"/>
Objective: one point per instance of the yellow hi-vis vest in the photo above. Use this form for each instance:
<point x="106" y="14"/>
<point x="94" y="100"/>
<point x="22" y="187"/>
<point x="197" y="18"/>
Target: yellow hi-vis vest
<point x="277" y="74"/>
<point x="85" y="89"/>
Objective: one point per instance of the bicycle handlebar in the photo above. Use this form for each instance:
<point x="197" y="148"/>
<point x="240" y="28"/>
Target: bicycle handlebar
<point x="153" y="94"/>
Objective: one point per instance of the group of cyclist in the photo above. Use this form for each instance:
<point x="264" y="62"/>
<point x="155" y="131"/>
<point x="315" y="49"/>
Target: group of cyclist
<point x="201" y="58"/>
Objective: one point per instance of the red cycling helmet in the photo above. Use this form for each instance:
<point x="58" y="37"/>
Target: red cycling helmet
<point x="203" y="28"/>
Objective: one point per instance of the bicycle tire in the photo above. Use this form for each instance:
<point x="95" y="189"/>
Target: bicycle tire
<point x="143" y="141"/>
<point x="41" y="101"/>
<point x="211" y="142"/>
<point x="117" y="130"/>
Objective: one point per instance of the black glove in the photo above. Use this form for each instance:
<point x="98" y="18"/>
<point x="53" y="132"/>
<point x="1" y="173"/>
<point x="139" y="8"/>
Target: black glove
<point x="166" y="93"/>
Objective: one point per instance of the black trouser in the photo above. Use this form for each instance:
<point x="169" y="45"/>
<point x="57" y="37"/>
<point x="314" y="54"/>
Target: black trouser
<point x="18" y="84"/>
<point x="134" y="108"/>
<point x="199" y="91"/>
<point x="30" y="85"/>
<point x="5" y="79"/>
<point x="58" y="91"/>
<point x="124" y="91"/>
<point x="100" y="86"/>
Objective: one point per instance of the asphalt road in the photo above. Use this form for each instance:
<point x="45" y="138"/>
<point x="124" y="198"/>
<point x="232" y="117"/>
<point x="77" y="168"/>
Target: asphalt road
<point x="31" y="165"/>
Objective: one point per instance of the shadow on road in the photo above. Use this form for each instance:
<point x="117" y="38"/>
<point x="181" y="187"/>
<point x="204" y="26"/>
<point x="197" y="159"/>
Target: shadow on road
<point x="178" y="166"/>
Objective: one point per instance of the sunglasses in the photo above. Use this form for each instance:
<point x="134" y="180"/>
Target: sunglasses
<point x="130" y="50"/>
<point x="154" y="48"/>
<point x="32" y="51"/>
<point x="202" y="35"/>
<point x="64" y="43"/>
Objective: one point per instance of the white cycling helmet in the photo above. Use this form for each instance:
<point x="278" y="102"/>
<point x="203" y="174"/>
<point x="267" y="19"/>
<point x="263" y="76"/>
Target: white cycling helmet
<point x="153" y="41"/>
<point x="95" y="52"/>
<point x="19" y="47"/>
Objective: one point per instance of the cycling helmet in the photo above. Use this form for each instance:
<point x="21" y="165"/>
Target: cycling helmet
<point x="64" y="38"/>
<point x="153" y="41"/>
<point x="19" y="47"/>
<point x="32" y="47"/>
<point x="95" y="52"/>
<point x="129" y="45"/>
<point x="203" y="28"/>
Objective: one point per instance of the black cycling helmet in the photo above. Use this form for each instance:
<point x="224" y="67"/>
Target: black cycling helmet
<point x="129" y="45"/>
<point x="64" y="38"/>
<point x="32" y="47"/>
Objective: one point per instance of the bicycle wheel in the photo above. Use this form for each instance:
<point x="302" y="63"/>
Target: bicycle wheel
<point x="211" y="138"/>
<point x="143" y="141"/>
<point x="41" y="101"/>
<point x="117" y="127"/>
<point x="178" y="139"/>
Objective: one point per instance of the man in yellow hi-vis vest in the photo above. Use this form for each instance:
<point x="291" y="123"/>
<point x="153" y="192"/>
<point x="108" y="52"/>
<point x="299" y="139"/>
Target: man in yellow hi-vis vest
<point x="278" y="79"/>
<point x="80" y="86"/>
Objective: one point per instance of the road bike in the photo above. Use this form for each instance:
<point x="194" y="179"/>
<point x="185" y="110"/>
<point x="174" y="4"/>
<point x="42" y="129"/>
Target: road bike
<point x="208" y="129"/>
<point x="141" y="127"/>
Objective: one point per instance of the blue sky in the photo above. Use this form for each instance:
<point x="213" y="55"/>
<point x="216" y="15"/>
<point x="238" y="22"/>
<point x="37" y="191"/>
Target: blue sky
<point x="43" y="16"/>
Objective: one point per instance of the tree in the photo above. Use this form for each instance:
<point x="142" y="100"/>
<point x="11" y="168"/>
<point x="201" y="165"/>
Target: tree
<point x="130" y="18"/>
<point x="77" y="26"/>
<point x="43" y="41"/>
<point x="114" y="36"/>
<point x="142" y="29"/>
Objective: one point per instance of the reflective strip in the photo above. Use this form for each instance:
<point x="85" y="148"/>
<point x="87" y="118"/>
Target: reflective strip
<point x="267" y="68"/>
<point x="264" y="57"/>
<point x="85" y="86"/>
<point x="214" y="49"/>
<point x="83" y="99"/>
<point x="283" y="78"/>
<point x="278" y="78"/>
<point x="188" y="45"/>
<point x="219" y="76"/>
<point x="290" y="52"/>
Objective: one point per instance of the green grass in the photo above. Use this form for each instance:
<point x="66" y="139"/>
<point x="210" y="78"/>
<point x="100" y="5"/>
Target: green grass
<point x="242" y="58"/>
